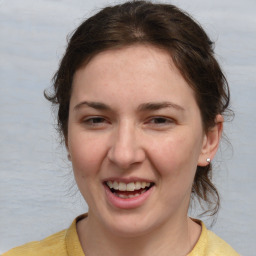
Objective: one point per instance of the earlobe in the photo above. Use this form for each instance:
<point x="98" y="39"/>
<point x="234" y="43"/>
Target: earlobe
<point x="211" y="142"/>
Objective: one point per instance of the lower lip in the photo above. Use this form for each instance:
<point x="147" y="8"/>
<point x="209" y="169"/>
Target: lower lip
<point x="127" y="203"/>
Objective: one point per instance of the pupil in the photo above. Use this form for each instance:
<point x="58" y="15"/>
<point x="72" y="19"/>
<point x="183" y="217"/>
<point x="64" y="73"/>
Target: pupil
<point x="160" y="120"/>
<point x="97" y="120"/>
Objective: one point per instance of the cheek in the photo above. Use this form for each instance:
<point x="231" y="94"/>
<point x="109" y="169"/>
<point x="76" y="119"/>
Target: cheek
<point x="177" y="156"/>
<point x="87" y="155"/>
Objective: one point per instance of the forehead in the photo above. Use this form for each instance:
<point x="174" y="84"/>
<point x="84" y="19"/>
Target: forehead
<point x="138" y="72"/>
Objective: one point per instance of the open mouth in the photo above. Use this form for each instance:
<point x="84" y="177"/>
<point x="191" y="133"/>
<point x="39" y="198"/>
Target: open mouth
<point x="128" y="190"/>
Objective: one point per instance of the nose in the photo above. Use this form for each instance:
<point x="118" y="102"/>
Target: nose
<point x="126" y="149"/>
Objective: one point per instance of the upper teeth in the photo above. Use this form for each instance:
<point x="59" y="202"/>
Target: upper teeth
<point x="128" y="187"/>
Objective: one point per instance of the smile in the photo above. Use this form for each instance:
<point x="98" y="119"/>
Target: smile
<point x="128" y="190"/>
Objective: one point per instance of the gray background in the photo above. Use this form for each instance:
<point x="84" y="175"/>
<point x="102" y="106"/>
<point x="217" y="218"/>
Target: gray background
<point x="38" y="195"/>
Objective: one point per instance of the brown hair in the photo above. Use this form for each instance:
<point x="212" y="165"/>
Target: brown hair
<point x="166" y="27"/>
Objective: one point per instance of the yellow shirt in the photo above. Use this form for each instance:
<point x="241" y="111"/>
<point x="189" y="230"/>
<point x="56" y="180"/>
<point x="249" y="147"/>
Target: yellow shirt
<point x="66" y="243"/>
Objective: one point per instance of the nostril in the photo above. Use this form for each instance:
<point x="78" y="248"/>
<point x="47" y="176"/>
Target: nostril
<point x="126" y="157"/>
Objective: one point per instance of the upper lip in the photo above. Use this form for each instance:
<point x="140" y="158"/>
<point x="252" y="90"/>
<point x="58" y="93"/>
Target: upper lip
<point x="127" y="180"/>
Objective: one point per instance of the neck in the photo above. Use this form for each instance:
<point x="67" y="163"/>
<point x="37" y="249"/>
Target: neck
<point x="177" y="237"/>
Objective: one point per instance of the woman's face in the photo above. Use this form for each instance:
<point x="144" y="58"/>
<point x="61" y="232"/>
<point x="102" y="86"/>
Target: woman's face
<point x="135" y="138"/>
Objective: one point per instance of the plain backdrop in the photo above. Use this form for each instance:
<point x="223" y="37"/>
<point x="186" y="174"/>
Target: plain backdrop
<point x="38" y="195"/>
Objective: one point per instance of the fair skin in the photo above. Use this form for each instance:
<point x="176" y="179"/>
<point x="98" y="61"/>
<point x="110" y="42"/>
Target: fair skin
<point x="134" y="120"/>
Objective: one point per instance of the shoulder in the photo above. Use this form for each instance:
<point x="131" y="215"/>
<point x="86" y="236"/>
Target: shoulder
<point x="52" y="245"/>
<point x="218" y="246"/>
<point x="63" y="243"/>
<point x="209" y="244"/>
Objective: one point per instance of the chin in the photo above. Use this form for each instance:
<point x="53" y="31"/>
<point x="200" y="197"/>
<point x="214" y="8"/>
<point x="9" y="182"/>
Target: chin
<point x="130" y="225"/>
<point x="127" y="231"/>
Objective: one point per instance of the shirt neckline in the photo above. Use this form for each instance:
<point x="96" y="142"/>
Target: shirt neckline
<point x="74" y="247"/>
<point x="73" y="244"/>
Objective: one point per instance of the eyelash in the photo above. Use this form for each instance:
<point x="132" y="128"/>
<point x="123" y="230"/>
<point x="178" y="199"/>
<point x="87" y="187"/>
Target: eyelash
<point x="158" y="121"/>
<point x="90" y="121"/>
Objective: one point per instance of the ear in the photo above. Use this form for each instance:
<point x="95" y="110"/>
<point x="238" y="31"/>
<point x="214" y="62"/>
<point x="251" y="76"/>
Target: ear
<point x="211" y="141"/>
<point x="67" y="148"/>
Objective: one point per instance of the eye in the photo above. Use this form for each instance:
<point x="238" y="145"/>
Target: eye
<point x="160" y="121"/>
<point x="95" y="121"/>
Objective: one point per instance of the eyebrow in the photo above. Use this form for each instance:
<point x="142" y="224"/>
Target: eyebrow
<point x="92" y="104"/>
<point x="159" y="105"/>
<point x="150" y="106"/>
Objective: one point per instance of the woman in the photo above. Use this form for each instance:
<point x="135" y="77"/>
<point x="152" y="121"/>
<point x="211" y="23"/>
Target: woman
<point x="140" y="101"/>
